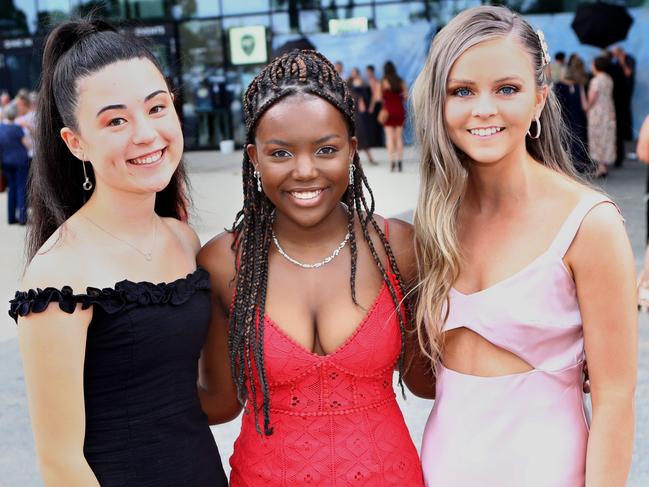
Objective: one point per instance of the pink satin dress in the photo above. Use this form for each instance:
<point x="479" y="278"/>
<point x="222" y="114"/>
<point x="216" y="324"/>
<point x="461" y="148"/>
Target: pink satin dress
<point x="520" y="430"/>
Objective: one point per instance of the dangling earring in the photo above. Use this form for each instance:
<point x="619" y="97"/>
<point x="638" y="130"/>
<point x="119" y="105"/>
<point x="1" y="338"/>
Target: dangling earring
<point x="258" y="176"/>
<point x="87" y="184"/>
<point x="352" y="168"/>
<point x="538" y="129"/>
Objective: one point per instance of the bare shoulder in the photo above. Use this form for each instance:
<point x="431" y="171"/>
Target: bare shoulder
<point x="401" y="240"/>
<point x="59" y="262"/>
<point x="184" y="233"/>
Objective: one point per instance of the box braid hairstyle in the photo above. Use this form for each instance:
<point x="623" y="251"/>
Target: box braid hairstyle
<point x="297" y="72"/>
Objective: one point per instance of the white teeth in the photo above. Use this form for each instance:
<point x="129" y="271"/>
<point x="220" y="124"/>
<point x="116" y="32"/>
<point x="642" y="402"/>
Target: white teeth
<point x="305" y="195"/>
<point x="485" y="132"/>
<point x="148" y="159"/>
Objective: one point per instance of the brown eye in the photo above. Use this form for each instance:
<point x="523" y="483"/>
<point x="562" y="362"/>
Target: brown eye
<point x="281" y="154"/>
<point x="327" y="151"/>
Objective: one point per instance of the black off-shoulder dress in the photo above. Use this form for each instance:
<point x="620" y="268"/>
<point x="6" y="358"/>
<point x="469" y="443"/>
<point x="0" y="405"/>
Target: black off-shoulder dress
<point x="144" y="423"/>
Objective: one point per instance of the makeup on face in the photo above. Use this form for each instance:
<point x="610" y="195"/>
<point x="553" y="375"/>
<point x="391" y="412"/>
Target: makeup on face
<point x="491" y="100"/>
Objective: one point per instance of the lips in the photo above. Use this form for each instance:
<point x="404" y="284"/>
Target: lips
<point x="150" y="158"/>
<point x="485" y="131"/>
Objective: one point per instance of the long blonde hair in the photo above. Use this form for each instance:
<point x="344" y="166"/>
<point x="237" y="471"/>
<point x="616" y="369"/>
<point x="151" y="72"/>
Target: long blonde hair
<point x="443" y="174"/>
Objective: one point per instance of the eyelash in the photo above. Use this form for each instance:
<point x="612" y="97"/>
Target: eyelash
<point x="329" y="151"/>
<point x="514" y="90"/>
<point x="155" y="110"/>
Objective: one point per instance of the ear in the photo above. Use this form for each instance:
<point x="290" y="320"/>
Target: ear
<point x="353" y="146"/>
<point x="251" y="150"/>
<point x="541" y="97"/>
<point x="73" y="142"/>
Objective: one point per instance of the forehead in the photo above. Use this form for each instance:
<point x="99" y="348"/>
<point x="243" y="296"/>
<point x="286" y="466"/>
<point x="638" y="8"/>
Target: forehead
<point x="300" y="115"/>
<point x="494" y="59"/>
<point x="114" y="84"/>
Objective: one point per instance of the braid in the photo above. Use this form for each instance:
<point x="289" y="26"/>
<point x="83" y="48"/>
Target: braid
<point x="307" y="72"/>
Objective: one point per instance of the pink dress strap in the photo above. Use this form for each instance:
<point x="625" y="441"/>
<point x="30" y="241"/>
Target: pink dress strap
<point x="571" y="226"/>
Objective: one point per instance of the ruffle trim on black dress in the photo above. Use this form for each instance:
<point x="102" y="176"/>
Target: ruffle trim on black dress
<point x="111" y="300"/>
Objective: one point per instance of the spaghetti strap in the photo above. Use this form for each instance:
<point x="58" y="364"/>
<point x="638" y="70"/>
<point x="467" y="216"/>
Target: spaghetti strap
<point x="571" y="226"/>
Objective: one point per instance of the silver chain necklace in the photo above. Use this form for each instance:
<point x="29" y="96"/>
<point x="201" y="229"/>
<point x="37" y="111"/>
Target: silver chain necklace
<point x="148" y="255"/>
<point x="317" y="265"/>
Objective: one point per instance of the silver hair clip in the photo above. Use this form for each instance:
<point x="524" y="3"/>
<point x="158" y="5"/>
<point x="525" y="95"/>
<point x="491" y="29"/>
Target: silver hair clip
<point x="544" y="48"/>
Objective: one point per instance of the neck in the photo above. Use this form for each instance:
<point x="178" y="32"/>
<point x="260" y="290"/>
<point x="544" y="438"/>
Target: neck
<point x="328" y="233"/>
<point x="501" y="186"/>
<point x="121" y="211"/>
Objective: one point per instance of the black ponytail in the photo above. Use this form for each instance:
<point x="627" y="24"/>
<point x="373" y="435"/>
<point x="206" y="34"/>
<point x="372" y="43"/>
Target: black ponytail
<point x="73" y="50"/>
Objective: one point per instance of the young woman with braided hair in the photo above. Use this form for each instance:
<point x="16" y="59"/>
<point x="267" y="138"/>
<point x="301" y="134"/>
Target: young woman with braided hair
<point x="313" y="341"/>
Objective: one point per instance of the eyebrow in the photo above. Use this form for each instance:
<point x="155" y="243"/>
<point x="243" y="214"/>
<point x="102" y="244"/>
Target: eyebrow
<point x="319" y="141"/>
<point x="499" y="80"/>
<point x="122" y="106"/>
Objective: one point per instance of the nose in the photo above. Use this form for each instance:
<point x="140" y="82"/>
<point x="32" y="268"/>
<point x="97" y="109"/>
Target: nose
<point x="305" y="168"/>
<point x="144" y="131"/>
<point x="485" y="106"/>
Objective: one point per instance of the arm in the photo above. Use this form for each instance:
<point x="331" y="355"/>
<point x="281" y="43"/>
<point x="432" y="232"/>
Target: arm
<point x="418" y="374"/>
<point x="404" y="90"/>
<point x="588" y="101"/>
<point x="216" y="388"/>
<point x="52" y="345"/>
<point x="603" y="268"/>
<point x="643" y="142"/>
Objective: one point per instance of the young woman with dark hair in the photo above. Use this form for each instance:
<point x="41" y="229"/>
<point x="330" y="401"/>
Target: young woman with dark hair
<point x="308" y="291"/>
<point x="111" y="358"/>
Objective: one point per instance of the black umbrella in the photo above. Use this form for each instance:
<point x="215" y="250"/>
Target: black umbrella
<point x="301" y="43"/>
<point x="601" y="24"/>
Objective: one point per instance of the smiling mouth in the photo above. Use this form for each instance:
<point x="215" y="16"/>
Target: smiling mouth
<point x="306" y="195"/>
<point x="486" y="132"/>
<point x="151" y="158"/>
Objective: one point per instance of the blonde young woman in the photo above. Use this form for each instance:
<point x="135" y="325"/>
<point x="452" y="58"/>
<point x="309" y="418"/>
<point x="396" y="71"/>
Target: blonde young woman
<point x="525" y="271"/>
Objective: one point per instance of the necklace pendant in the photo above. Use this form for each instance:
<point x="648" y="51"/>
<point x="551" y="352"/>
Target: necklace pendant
<point x="148" y="256"/>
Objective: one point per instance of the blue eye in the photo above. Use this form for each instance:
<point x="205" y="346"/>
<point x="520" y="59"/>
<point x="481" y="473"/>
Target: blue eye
<point x="462" y="92"/>
<point x="508" y="90"/>
<point x="328" y="150"/>
<point x="282" y="154"/>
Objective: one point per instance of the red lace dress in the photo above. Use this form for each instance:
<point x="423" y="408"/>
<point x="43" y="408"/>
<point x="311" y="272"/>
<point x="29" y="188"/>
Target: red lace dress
<point x="335" y="418"/>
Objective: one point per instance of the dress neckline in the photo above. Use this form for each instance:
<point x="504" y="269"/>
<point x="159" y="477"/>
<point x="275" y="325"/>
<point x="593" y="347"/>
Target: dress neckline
<point x="345" y="343"/>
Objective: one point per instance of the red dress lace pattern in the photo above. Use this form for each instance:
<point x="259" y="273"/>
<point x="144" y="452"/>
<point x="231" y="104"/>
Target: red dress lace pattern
<point x="335" y="418"/>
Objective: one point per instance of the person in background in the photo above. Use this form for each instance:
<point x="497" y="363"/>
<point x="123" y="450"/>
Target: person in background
<point x="394" y="92"/>
<point x="558" y="67"/>
<point x="600" y="109"/>
<point x="569" y="91"/>
<point x="340" y="69"/>
<point x="26" y="115"/>
<point x="5" y="99"/>
<point x="627" y="67"/>
<point x="14" y="146"/>
<point x="362" y="95"/>
<point x="375" y="131"/>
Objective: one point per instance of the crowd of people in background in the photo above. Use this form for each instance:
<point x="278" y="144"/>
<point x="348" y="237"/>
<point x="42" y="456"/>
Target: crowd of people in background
<point x="596" y="106"/>
<point x="380" y="111"/>
<point x="16" y="129"/>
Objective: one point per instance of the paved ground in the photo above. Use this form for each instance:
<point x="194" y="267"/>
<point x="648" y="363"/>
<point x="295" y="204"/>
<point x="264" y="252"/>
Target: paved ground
<point x="216" y="186"/>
